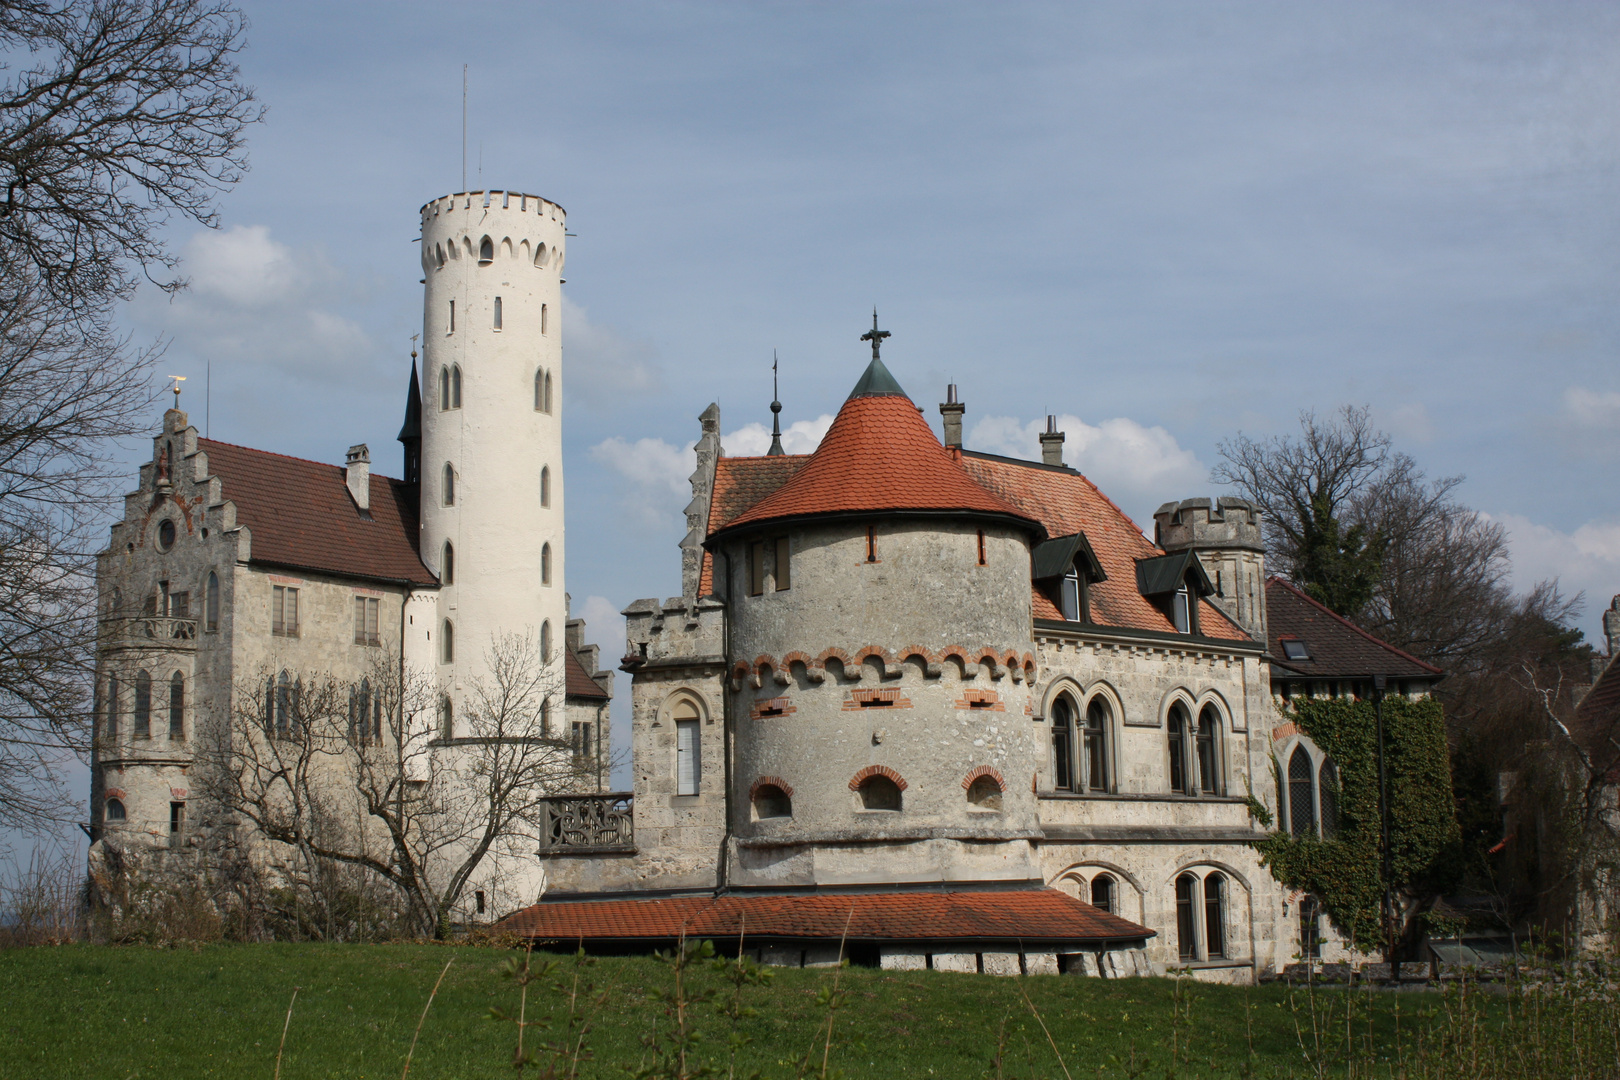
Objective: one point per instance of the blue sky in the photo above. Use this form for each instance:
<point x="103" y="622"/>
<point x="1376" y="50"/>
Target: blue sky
<point x="1166" y="223"/>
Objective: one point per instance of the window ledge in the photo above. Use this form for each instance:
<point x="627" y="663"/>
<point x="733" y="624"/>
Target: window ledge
<point x="1131" y="796"/>
<point x="1208" y="965"/>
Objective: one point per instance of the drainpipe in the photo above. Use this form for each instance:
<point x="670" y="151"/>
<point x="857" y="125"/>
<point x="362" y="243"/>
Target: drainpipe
<point x="722" y="877"/>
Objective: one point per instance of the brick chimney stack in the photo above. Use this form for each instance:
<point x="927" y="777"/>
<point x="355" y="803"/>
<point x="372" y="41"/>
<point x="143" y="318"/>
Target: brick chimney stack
<point x="1052" y="443"/>
<point x="359" y="476"/>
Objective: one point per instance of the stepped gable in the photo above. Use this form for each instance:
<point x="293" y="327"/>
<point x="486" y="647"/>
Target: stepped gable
<point x="740" y="482"/>
<point x="1012" y="916"/>
<point x="579" y="682"/>
<point x="1339" y="649"/>
<point x="880" y="455"/>
<point x="1065" y="502"/>
<point x="301" y="515"/>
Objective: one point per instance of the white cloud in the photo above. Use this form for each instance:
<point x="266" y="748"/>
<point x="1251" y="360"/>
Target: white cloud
<point x="1411" y="422"/>
<point x="604" y="625"/>
<point x="604" y="366"/>
<point x="1139" y="467"/>
<point x="801" y="437"/>
<point x="658" y="474"/>
<point x="1593" y="408"/>
<point x="1586" y="560"/>
<point x="242" y="266"/>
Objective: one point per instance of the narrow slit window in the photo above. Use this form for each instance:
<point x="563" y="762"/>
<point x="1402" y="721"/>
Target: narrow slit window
<point x="447" y="565"/>
<point x="455" y="386"/>
<point x="143" y="705"/>
<point x="497" y="313"/>
<point x="177" y="706"/>
<point x="1186" y="917"/>
<point x="211" y="604"/>
<point x="447" y="642"/>
<point x="452" y="316"/>
<point x="1177" y="737"/>
<point x="1215" y="916"/>
<point x="1063" y="745"/>
<point x="1209" y="756"/>
<point x="784" y="564"/>
<point x="545" y="485"/>
<point x="444" y="388"/>
<point x="544" y="329"/>
<point x="545" y="564"/>
<point x="756" y="568"/>
<point x="545" y="641"/>
<point x="981" y="547"/>
<point x="114" y="706"/>
<point x="871" y="543"/>
<point x="449" y="484"/>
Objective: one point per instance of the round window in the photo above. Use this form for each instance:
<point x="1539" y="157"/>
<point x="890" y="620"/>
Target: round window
<point x="165" y="536"/>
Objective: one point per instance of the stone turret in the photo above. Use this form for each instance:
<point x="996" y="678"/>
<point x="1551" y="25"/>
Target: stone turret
<point x="1611" y="627"/>
<point x="1229" y="537"/>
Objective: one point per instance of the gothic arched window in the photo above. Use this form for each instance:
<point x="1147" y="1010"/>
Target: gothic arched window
<point x="1096" y="748"/>
<point x="447" y="641"/>
<point x="444" y="388"/>
<point x="1301" y="797"/>
<point x="1209" y="756"/>
<point x="455" y="386"/>
<point x="1063" y="744"/>
<point x="1327" y="794"/>
<point x="1186" y="917"/>
<point x="1215" y="916"/>
<point x="447" y="565"/>
<point x="548" y="392"/>
<point x="486" y="250"/>
<point x="143" y="704"/>
<point x="545" y="564"/>
<point x="1176" y="729"/>
<point x="177" y="706"/>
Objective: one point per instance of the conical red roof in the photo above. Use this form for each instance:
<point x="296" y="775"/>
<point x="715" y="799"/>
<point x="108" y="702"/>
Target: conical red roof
<point x="879" y="455"/>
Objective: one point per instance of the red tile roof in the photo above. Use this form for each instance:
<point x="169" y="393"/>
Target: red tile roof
<point x="1338" y="647"/>
<point x="301" y="515"/>
<point x="879" y="455"/>
<point x="740" y="482"/>
<point x="1011" y="916"/>
<point x="1066" y="502"/>
<point x="580" y="684"/>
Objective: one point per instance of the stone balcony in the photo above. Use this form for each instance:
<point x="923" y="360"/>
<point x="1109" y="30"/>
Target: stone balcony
<point x="596" y="824"/>
<point x="166" y="632"/>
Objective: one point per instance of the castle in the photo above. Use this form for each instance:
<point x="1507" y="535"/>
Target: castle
<point x="920" y="705"/>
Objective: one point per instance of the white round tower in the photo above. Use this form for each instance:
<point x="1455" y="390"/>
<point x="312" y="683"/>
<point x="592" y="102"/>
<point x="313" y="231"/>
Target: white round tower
<point x="491" y="458"/>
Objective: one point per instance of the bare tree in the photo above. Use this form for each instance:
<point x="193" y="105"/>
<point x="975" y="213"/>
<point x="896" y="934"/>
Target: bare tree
<point x="1307" y="487"/>
<point x="328" y="772"/>
<point x="115" y="115"/>
<point x="128" y="111"/>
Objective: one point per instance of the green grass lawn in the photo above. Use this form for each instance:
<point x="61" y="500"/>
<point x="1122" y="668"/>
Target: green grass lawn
<point x="86" y="1011"/>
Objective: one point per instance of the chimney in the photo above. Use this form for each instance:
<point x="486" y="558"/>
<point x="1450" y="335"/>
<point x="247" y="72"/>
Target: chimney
<point x="1611" y="627"/>
<point x="359" y="476"/>
<point x="952" y="411"/>
<point x="1052" y="443"/>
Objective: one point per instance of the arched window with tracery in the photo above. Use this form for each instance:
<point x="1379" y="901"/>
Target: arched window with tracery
<point x="1063" y="744"/>
<point x="1209" y="752"/>
<point x="1176" y="725"/>
<point x="143" y="704"/>
<point x="1187" y="917"/>
<point x="1301" y="796"/>
<point x="1327" y="795"/>
<point x="177" y="706"/>
<point x="1215" y="916"/>
<point x="1096" y="745"/>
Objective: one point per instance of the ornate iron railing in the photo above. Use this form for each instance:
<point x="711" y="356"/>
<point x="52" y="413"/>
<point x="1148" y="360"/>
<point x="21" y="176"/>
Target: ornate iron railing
<point x="588" y="824"/>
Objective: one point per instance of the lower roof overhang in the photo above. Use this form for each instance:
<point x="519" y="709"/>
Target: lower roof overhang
<point x="1011" y="918"/>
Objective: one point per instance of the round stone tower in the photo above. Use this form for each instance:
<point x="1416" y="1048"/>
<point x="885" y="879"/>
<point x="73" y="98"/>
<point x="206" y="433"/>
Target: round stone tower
<point x="491" y="426"/>
<point x="880" y="663"/>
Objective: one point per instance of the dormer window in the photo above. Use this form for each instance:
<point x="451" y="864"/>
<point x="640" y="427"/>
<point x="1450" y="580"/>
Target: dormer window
<point x="1175" y="583"/>
<point x="1066" y="568"/>
<point x="1181" y="609"/>
<point x="1074" y="596"/>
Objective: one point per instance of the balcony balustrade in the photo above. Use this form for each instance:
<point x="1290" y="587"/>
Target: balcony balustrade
<point x="596" y="824"/>
<point x="150" y="631"/>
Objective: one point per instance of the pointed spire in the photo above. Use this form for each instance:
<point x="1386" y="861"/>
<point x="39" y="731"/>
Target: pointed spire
<point x="776" y="414"/>
<point x="410" y="433"/>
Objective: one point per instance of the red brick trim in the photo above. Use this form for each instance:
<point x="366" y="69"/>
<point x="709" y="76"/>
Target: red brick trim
<point x="867" y="699"/>
<point x="115" y="793"/>
<point x="753" y="789"/>
<point x="981" y="700"/>
<point x="770" y="708"/>
<point x="983" y="770"/>
<point x="1283" y="731"/>
<point x="876" y="770"/>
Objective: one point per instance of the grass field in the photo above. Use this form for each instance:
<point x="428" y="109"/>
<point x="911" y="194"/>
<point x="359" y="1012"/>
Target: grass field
<point x="214" y="1011"/>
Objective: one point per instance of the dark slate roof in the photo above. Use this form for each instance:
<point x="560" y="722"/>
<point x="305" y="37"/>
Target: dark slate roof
<point x="1339" y="649"/>
<point x="1596" y="726"/>
<point x="301" y="516"/>
<point x="1010" y="916"/>
<point x="877" y="382"/>
<point x="580" y="683"/>
<point x="412" y="428"/>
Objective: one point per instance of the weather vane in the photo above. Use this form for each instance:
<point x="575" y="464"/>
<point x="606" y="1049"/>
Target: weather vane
<point x="874" y="335"/>
<point x="776" y="414"/>
<point x="178" y="379"/>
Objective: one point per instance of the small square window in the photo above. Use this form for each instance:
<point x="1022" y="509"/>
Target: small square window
<point x="1294" y="649"/>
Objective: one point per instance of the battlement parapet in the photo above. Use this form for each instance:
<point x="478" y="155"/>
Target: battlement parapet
<point x="520" y="201"/>
<point x="673" y="631"/>
<point x="1204" y="523"/>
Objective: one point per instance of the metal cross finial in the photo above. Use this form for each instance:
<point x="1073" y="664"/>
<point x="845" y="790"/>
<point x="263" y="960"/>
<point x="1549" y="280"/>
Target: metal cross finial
<point x="413" y="345"/>
<point x="875" y="336"/>
<point x="178" y="379"/>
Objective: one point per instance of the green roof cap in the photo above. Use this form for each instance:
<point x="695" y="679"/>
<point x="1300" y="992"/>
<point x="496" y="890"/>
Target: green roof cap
<point x="877" y="382"/>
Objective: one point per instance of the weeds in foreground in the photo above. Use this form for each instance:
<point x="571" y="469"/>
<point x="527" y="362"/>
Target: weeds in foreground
<point x="561" y="1058"/>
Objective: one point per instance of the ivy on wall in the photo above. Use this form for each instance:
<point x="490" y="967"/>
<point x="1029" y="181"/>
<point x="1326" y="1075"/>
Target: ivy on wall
<point x="1343" y="871"/>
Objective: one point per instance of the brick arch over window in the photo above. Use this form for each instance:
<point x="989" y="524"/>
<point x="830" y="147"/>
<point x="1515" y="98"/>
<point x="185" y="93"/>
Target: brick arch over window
<point x="982" y="770"/>
<point x="876" y="770"/>
<point x="770" y="781"/>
